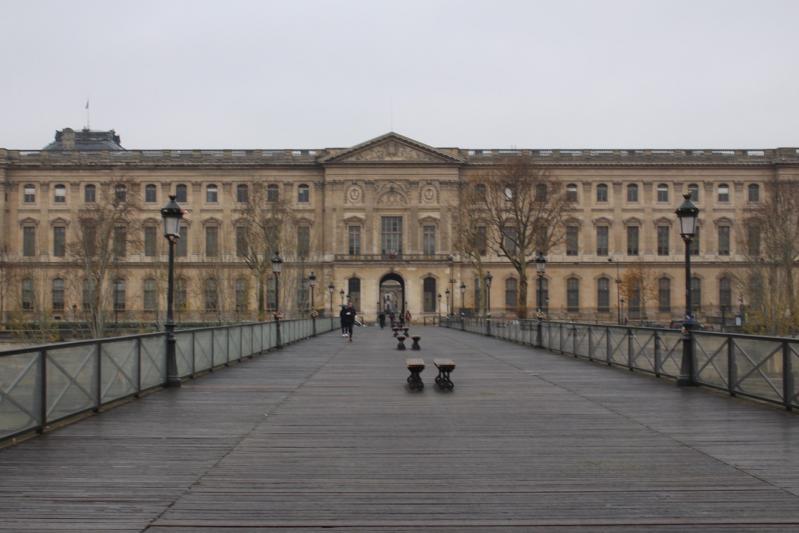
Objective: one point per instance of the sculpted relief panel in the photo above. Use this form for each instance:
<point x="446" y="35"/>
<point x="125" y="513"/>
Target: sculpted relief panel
<point x="354" y="195"/>
<point x="392" y="151"/>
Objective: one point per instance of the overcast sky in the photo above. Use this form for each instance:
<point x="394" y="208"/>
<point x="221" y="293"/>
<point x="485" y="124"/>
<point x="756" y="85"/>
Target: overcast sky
<point x="493" y="74"/>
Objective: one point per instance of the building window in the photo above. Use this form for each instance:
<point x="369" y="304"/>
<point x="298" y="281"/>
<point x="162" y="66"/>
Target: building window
<point x="29" y="241"/>
<point x="58" y="294"/>
<point x="541" y="192"/>
<point x="391" y="235"/>
<point x="753" y="239"/>
<point x="724" y="193"/>
<point x="182" y="246"/>
<point x="59" y="241"/>
<point x="429" y="240"/>
<point x="632" y="192"/>
<point x="181" y="193"/>
<point x="542" y="294"/>
<point x="29" y="194"/>
<point x="241" y="295"/>
<point x="602" y="193"/>
<point x="693" y="188"/>
<point x="120" y="193"/>
<point x="696" y="293"/>
<point x="120" y="245"/>
<point x="724" y="240"/>
<point x="754" y="192"/>
<point x="90" y="194"/>
<point x="429" y="299"/>
<point x="303" y="241"/>
<point x="272" y="193"/>
<point x="664" y="295"/>
<point x="211" y="295"/>
<point x="632" y="240"/>
<point x="242" y="193"/>
<point x="725" y="293"/>
<point x="303" y="194"/>
<point x="603" y="295"/>
<point x="150" y="241"/>
<point x="88" y="294"/>
<point x="354" y="288"/>
<point x="242" y="245"/>
<point x="354" y="240"/>
<point x="663" y="240"/>
<point x="480" y="192"/>
<point x="119" y="294"/>
<point x="27" y="294"/>
<point x="181" y="294"/>
<point x="511" y="293"/>
<point x="694" y="247"/>
<point x="572" y="240"/>
<point x="601" y="240"/>
<point x="663" y="193"/>
<point x="150" y="193"/>
<point x="482" y="240"/>
<point x="211" y="194"/>
<point x="510" y="241"/>
<point x="212" y="241"/>
<point x="573" y="295"/>
<point x="60" y="194"/>
<point x="149" y="294"/>
<point x="571" y="192"/>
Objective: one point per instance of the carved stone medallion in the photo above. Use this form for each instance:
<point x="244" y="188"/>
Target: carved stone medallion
<point x="354" y="195"/>
<point x="429" y="195"/>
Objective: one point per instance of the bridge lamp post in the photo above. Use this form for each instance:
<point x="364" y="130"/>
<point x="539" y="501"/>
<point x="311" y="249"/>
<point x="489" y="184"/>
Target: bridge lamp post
<point x="172" y="214"/>
<point x="687" y="214"/>
<point x="330" y="289"/>
<point x="489" y="278"/>
<point x="312" y="285"/>
<point x="619" y="299"/>
<point x="463" y="295"/>
<point x="341" y="293"/>
<point x="447" y="293"/>
<point x="451" y="307"/>
<point x="277" y="268"/>
<point x="438" y="307"/>
<point x="540" y="268"/>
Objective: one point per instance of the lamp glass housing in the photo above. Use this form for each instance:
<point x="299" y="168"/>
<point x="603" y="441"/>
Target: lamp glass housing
<point x="172" y="215"/>
<point x="277" y="264"/>
<point x="688" y="214"/>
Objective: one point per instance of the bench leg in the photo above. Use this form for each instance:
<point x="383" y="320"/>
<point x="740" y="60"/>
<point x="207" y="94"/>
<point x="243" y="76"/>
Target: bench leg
<point x="415" y="345"/>
<point x="415" y="380"/>
<point x="443" y="380"/>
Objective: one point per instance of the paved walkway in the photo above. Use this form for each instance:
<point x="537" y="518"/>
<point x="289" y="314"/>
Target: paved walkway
<point x="324" y="434"/>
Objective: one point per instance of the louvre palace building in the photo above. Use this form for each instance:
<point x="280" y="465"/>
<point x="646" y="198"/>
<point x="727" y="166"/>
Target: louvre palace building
<point x="374" y="222"/>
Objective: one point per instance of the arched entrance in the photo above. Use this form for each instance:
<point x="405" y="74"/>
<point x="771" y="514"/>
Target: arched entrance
<point x="392" y="294"/>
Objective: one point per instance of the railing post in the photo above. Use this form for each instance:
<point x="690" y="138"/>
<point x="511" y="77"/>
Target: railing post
<point x="42" y="391"/>
<point x="608" y="345"/>
<point x="138" y="367"/>
<point x="539" y="334"/>
<point x="241" y="342"/>
<point x="213" y="349"/>
<point x="590" y="343"/>
<point x="732" y="370"/>
<point x="488" y="327"/>
<point x="630" y="349"/>
<point x="574" y="340"/>
<point x="787" y="376"/>
<point x="99" y="381"/>
<point x="560" y="334"/>
<point x="193" y="360"/>
<point x="227" y="346"/>
<point x="657" y="354"/>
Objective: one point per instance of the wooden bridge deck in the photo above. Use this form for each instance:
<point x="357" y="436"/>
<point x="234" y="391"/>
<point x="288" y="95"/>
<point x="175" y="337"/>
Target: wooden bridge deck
<point x="324" y="434"/>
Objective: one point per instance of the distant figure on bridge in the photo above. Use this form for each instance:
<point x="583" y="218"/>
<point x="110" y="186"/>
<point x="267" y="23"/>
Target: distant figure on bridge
<point x="348" y="319"/>
<point x="381" y="318"/>
<point x="407" y="317"/>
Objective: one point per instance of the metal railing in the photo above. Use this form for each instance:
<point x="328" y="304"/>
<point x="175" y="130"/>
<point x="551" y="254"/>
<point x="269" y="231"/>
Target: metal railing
<point x="41" y="385"/>
<point x="754" y="366"/>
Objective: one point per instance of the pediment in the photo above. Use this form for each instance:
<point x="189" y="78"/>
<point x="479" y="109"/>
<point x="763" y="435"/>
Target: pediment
<point x="393" y="148"/>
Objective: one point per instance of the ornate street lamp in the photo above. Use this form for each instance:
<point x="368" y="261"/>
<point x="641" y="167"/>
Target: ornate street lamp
<point x="687" y="214"/>
<point x="438" y="307"/>
<point x="171" y="214"/>
<point x="540" y="268"/>
<point x="488" y="280"/>
<point x="451" y="306"/>
<point x="330" y="289"/>
<point x="277" y="268"/>
<point x="448" y="307"/>
<point x="463" y="295"/>
<point x="619" y="299"/>
<point x="312" y="284"/>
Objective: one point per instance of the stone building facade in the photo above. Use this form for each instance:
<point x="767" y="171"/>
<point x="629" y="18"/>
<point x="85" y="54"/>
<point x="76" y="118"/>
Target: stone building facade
<point x="377" y="219"/>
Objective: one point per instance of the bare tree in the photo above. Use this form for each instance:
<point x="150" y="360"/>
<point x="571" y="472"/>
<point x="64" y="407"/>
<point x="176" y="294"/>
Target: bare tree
<point x="639" y="283"/>
<point x="525" y="209"/>
<point x="265" y="224"/>
<point x="470" y="235"/>
<point x="108" y="230"/>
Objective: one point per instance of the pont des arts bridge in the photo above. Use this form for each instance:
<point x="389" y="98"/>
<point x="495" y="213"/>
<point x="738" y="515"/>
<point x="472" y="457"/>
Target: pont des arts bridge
<point x="323" y="434"/>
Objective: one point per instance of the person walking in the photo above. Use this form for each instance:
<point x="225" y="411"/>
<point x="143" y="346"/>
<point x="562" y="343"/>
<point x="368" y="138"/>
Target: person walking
<point x="341" y="320"/>
<point x="348" y="319"/>
<point x="381" y="317"/>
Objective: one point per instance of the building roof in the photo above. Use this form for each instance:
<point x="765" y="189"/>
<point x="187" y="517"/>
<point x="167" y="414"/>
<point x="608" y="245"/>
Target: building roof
<point x="85" y="139"/>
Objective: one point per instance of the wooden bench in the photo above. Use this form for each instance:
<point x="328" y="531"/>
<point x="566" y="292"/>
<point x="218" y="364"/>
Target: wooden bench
<point x="415" y="366"/>
<point x="415" y="345"/>
<point x="444" y="366"/>
<point x="400" y="342"/>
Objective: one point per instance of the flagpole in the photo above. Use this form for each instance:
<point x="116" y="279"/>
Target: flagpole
<point x="88" y="116"/>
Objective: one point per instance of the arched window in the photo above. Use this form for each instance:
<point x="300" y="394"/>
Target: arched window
<point x="211" y="240"/>
<point x="571" y="192"/>
<point x="60" y="194"/>
<point x="241" y="295"/>
<point x="150" y="193"/>
<point x="119" y="295"/>
<point x="632" y="192"/>
<point x="120" y="192"/>
<point x="541" y="192"/>
<point x="542" y="295"/>
<point x="693" y="188"/>
<point x="272" y="193"/>
<point x="603" y="295"/>
<point x="211" y="295"/>
<point x="429" y="294"/>
<point x="663" y="192"/>
<point x="602" y="193"/>
<point x="573" y="295"/>
<point x="511" y="293"/>
<point x="211" y="193"/>
<point x="27" y="294"/>
<point x="303" y="194"/>
<point x="29" y="193"/>
<point x="149" y="294"/>
<point x="664" y="295"/>
<point x="181" y="193"/>
<point x="754" y="192"/>
<point x="90" y="194"/>
<point x="696" y="293"/>
<point x="725" y="293"/>
<point x="242" y="193"/>
<point x="354" y="288"/>
<point x="724" y="192"/>
<point x="724" y="239"/>
<point x="58" y="294"/>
